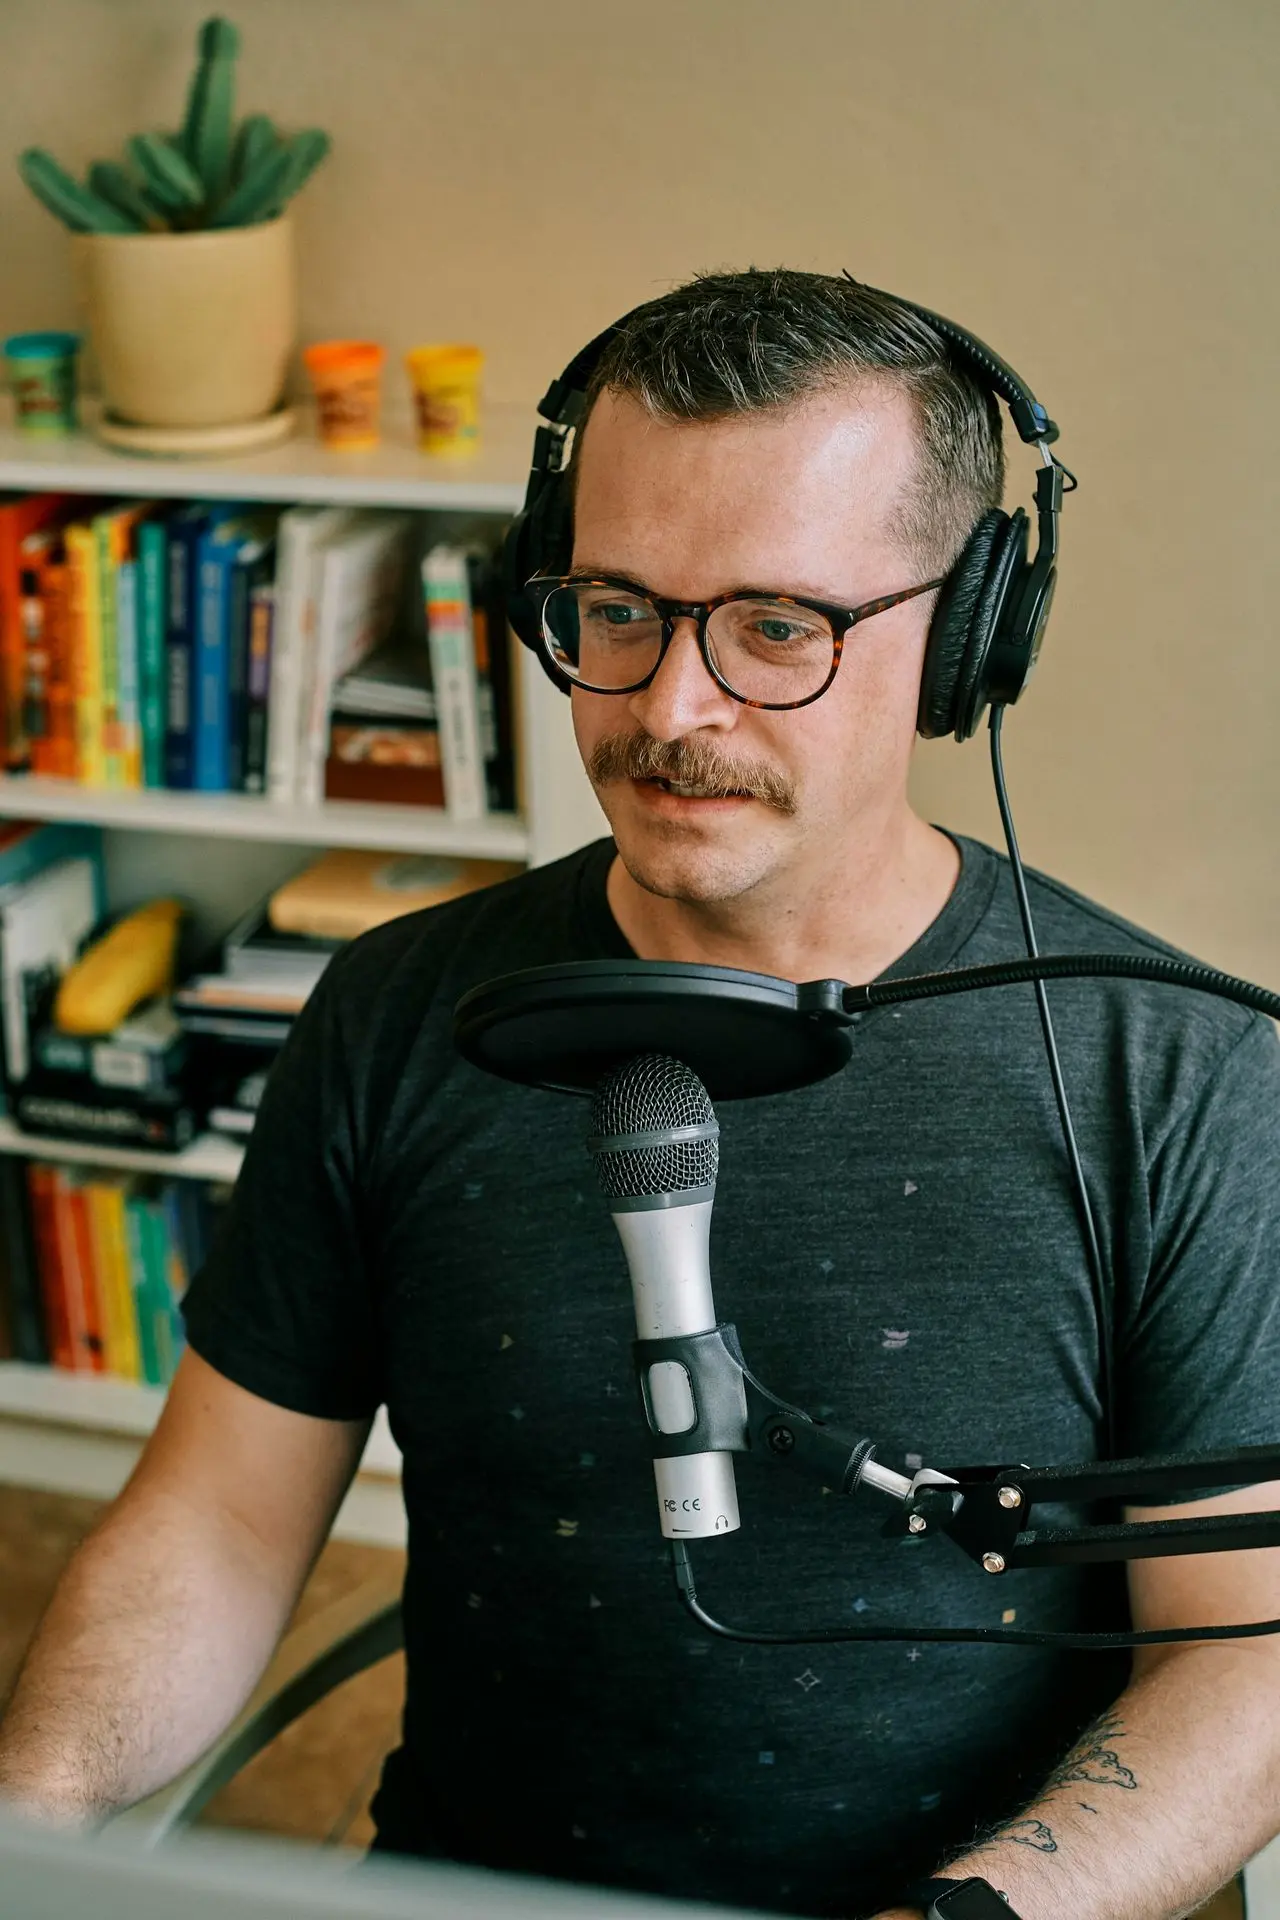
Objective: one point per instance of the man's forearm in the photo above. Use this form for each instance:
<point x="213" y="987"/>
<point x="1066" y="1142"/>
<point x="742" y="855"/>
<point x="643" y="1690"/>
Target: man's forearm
<point x="1158" y="1804"/>
<point x="157" y="1634"/>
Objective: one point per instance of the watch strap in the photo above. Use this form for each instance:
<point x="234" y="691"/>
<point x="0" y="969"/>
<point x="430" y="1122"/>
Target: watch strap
<point x="979" y="1900"/>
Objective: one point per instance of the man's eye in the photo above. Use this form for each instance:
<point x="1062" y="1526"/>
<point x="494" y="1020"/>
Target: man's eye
<point x="620" y="613"/>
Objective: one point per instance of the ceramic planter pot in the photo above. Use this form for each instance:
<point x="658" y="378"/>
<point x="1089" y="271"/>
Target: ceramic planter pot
<point x="190" y="329"/>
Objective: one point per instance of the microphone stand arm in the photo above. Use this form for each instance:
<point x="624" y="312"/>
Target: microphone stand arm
<point x="985" y="1510"/>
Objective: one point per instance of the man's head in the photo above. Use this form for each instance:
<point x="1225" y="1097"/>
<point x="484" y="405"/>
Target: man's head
<point x="788" y="432"/>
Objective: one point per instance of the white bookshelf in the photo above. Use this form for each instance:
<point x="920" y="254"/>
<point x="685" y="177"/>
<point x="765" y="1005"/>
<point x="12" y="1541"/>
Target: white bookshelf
<point x="241" y="816"/>
<point x="81" y="1435"/>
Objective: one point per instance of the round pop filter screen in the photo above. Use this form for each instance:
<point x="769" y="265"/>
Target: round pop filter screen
<point x="563" y="1027"/>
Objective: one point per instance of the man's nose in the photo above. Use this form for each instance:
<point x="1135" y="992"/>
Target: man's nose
<point x="682" y="696"/>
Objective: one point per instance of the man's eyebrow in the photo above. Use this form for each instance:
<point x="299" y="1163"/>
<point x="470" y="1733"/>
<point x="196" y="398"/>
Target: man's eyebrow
<point x="744" y="586"/>
<point x="608" y="573"/>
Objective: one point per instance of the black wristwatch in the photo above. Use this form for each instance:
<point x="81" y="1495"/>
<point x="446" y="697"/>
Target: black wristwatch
<point x="972" y="1899"/>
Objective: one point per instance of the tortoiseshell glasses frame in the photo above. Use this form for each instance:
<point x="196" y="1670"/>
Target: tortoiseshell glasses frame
<point x="840" y="619"/>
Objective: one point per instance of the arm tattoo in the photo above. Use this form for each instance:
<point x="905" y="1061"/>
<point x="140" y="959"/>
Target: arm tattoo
<point x="1094" y="1759"/>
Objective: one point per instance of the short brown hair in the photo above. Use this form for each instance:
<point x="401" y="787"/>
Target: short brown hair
<point x="728" y="343"/>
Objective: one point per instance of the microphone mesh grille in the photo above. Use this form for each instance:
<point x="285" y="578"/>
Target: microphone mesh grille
<point x="652" y="1094"/>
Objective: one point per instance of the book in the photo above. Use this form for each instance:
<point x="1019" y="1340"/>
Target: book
<point x="302" y="534"/>
<point x="66" y="1107"/>
<point x="152" y="620"/>
<point x="34" y="555"/>
<point x="129" y="700"/>
<point x="53" y="747"/>
<point x="44" y="921"/>
<point x="42" y="1205"/>
<point x="360" y="574"/>
<point x="388" y="762"/>
<point x="393" y="683"/>
<point x="79" y="1282"/>
<point x="251" y="576"/>
<point x="18" y="518"/>
<point x="184" y="530"/>
<point x="106" y="1202"/>
<point x="262" y="609"/>
<point x="255" y="950"/>
<point x="144" y="1053"/>
<point x="114" y="531"/>
<point x="447" y="595"/>
<point x="19" y="1271"/>
<point x="161" y="1301"/>
<point x="84" y="622"/>
<point x="346" y="891"/>
<point x="218" y="547"/>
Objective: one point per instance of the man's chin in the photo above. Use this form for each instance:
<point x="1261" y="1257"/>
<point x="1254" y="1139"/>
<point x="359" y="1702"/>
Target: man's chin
<point x="723" y="861"/>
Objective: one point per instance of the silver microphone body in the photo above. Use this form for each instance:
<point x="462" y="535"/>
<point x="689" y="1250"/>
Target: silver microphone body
<point x="656" y="1159"/>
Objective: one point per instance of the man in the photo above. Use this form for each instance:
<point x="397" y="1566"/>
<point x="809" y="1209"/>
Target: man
<point x="898" y="1247"/>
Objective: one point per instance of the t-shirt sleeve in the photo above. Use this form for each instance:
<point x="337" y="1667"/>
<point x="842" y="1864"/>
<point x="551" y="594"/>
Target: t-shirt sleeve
<point x="283" y="1305"/>
<point x="1200" y="1368"/>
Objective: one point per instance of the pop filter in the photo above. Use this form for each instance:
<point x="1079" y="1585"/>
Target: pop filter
<point x="564" y="1027"/>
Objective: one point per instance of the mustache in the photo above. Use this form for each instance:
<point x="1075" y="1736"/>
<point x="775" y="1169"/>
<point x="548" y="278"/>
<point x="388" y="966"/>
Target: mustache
<point x="689" y="763"/>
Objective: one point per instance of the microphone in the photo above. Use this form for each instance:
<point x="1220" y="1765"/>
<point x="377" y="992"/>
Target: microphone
<point x="655" y="1142"/>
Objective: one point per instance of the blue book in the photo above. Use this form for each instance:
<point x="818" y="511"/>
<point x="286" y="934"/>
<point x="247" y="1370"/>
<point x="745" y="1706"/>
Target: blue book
<point x="179" y="735"/>
<point x="128" y="704"/>
<point x="218" y="552"/>
<point x="153" y="602"/>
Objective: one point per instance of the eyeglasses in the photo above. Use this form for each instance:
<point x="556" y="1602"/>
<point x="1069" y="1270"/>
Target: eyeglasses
<point x="770" y="650"/>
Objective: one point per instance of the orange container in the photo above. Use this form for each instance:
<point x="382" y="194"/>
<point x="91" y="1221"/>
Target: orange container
<point x="446" y="390"/>
<point x="346" y="376"/>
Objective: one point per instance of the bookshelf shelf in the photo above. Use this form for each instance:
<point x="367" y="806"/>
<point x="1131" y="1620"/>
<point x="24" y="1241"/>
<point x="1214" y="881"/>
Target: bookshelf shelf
<point x="394" y="474"/>
<point x="241" y="816"/>
<point x="209" y="1157"/>
<point x="82" y="1433"/>
<point x="105" y="1405"/>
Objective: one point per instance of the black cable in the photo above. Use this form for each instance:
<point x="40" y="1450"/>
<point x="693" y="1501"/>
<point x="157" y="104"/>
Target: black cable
<point x="1099" y="1278"/>
<point x="989" y="1636"/>
<point x="1065" y="966"/>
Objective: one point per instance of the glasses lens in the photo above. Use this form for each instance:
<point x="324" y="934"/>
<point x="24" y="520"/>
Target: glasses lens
<point x="600" y="636"/>
<point x="771" y="651"/>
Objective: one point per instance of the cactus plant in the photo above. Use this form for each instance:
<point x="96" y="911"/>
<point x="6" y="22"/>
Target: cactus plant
<point x="210" y="174"/>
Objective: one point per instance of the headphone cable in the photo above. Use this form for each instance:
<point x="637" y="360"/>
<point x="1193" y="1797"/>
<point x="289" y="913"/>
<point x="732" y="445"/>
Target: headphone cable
<point x="1099" y="1278"/>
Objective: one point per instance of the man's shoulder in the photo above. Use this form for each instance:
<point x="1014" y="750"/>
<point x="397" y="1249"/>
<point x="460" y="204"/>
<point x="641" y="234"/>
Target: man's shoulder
<point x="1202" y="1030"/>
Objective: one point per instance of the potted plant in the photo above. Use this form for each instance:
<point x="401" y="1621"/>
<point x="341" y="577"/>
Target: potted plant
<point x="184" y="260"/>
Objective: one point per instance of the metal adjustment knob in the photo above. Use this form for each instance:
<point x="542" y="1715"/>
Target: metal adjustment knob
<point x="1009" y="1497"/>
<point x="916" y="1523"/>
<point x="993" y="1562"/>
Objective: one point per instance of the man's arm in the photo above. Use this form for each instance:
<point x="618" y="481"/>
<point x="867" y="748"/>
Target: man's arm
<point x="1167" y="1796"/>
<point x="166" y="1617"/>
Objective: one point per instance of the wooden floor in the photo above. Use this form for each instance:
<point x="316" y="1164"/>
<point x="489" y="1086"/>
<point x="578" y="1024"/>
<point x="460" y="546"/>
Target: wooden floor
<point x="316" y="1780"/>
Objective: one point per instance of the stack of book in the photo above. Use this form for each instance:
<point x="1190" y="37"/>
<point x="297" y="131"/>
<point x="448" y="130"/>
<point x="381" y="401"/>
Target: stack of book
<point x="95" y="1265"/>
<point x="228" y="647"/>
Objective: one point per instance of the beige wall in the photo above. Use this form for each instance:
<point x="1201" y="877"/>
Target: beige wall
<point x="1090" y="185"/>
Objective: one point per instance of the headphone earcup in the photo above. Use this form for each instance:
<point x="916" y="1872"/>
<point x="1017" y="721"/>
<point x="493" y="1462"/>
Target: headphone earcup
<point x="539" y="540"/>
<point x="964" y="623"/>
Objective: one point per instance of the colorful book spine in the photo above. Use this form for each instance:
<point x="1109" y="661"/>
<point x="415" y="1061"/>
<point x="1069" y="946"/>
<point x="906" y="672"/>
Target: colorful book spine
<point x="153" y="557"/>
<point x="453" y="676"/>
<point x="53" y="753"/>
<point x="42" y="1200"/>
<point x="18" y="518"/>
<point x="215" y="559"/>
<point x="184" y="537"/>
<point x="19" y="1270"/>
<point x="75" y="1255"/>
<point x="168" y="1330"/>
<point x="253" y="568"/>
<point x="262" y="610"/>
<point x="140" y="1283"/>
<point x="127" y="667"/>
<point x="84" y="597"/>
<point x="108" y="653"/>
<point x="111" y="1259"/>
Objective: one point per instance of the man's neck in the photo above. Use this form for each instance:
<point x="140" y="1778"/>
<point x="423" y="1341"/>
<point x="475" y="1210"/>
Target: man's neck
<point x="848" y="924"/>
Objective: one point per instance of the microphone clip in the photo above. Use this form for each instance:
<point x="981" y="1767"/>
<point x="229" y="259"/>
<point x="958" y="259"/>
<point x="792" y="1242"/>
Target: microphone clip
<point x="733" y="1412"/>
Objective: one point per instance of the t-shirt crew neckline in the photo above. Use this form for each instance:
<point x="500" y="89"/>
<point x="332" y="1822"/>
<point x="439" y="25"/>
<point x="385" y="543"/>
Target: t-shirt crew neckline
<point x="942" y="940"/>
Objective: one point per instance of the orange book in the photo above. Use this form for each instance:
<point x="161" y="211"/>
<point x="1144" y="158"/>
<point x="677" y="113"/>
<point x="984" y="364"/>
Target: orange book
<point x="18" y="518"/>
<point x="86" y="1268"/>
<point x="44" y="1233"/>
<point x="77" y="1278"/>
<point x="54" y="751"/>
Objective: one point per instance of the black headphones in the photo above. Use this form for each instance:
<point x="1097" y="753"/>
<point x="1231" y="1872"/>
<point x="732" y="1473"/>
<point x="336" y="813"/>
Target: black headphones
<point x="990" y="616"/>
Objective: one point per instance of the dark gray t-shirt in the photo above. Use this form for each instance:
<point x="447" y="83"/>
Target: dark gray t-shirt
<point x="899" y="1249"/>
